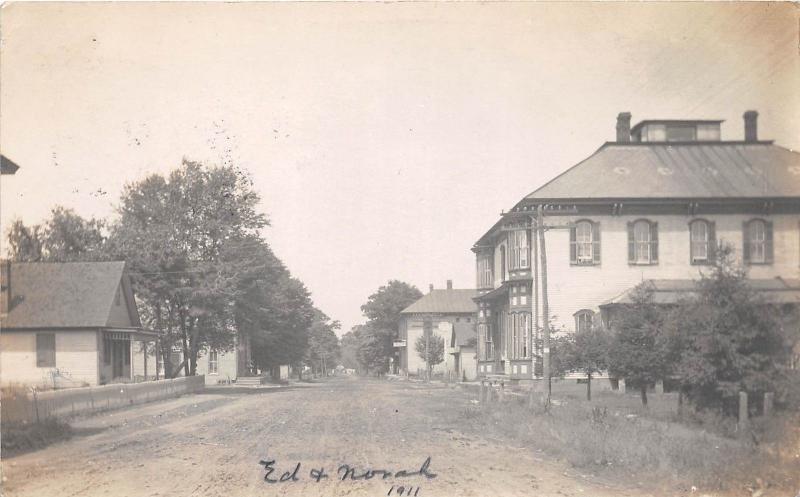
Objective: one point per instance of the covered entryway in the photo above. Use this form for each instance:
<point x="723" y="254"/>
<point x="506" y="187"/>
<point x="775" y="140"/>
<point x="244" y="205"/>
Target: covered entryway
<point x="118" y="348"/>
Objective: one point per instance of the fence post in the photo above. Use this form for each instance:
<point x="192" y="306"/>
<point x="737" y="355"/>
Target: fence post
<point x="768" y="400"/>
<point x="36" y="404"/>
<point x="743" y="421"/>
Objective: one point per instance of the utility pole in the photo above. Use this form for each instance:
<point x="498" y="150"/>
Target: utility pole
<point x="535" y="303"/>
<point x="545" y="308"/>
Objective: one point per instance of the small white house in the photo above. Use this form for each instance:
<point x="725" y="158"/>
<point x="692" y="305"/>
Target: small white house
<point x="71" y="324"/>
<point x="228" y="365"/>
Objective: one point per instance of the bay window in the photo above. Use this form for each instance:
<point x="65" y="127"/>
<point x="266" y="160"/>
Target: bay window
<point x="485" y="339"/>
<point x="485" y="277"/>
<point x="519" y="324"/>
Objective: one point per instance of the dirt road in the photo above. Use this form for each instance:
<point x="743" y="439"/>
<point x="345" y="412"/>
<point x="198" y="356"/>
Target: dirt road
<point x="212" y="444"/>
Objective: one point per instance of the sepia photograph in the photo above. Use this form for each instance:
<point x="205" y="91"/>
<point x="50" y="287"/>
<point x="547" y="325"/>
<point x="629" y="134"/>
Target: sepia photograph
<point x="399" y="249"/>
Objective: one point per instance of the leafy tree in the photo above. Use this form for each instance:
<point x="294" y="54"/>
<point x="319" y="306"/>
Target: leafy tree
<point x="64" y="237"/>
<point x="175" y="233"/>
<point x="730" y="340"/>
<point x="383" y="313"/>
<point x="384" y="306"/>
<point x="372" y="352"/>
<point x="323" y="344"/>
<point x="433" y="356"/>
<point x="560" y="347"/>
<point x="640" y="348"/>
<point x="587" y="351"/>
<point x="349" y="345"/>
<point x="25" y="242"/>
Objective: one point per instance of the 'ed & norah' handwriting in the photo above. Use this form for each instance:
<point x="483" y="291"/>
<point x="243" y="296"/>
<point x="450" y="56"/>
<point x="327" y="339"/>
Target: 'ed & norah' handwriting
<point x="343" y="472"/>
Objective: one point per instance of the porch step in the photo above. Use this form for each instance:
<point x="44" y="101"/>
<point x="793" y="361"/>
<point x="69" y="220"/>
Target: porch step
<point x="251" y="381"/>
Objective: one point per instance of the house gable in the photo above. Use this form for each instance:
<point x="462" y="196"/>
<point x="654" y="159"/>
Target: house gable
<point x="122" y="309"/>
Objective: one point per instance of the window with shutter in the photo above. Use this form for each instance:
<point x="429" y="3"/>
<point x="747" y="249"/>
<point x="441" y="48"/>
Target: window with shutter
<point x="631" y="244"/>
<point x="700" y="241"/>
<point x="757" y="242"/>
<point x="484" y="269"/>
<point x="583" y="320"/>
<point x="596" y="243"/>
<point x="768" y="253"/>
<point x="653" y="243"/>
<point x="712" y="241"/>
<point x="519" y="249"/>
<point x="45" y="350"/>
<point x="585" y="243"/>
<point x="643" y="242"/>
<point x="213" y="362"/>
<point x="573" y="245"/>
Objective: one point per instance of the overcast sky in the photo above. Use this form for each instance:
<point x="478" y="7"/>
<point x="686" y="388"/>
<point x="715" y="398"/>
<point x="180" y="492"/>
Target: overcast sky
<point x="383" y="138"/>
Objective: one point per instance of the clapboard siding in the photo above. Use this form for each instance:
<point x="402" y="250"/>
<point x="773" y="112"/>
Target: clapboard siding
<point x="76" y="357"/>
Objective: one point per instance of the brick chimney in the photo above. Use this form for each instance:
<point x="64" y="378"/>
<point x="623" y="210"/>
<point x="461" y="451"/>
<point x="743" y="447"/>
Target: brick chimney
<point x="624" y="127"/>
<point x="5" y="286"/>
<point x="751" y="126"/>
<point x="449" y="284"/>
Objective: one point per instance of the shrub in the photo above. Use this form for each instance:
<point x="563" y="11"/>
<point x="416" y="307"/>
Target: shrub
<point x="20" y="437"/>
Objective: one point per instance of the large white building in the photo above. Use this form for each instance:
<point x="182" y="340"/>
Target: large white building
<point x="652" y="205"/>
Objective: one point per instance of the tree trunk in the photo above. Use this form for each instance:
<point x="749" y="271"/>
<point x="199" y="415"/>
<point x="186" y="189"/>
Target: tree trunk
<point x="185" y="343"/>
<point x="166" y="358"/>
<point x="193" y="345"/>
<point x="643" y="390"/>
<point x="589" y="386"/>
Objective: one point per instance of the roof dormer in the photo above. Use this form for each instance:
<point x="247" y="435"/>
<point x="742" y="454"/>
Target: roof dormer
<point x="671" y="130"/>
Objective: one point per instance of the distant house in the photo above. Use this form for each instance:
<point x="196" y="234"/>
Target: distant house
<point x="225" y="366"/>
<point x="451" y="314"/>
<point x="7" y="166"/>
<point x="71" y="324"/>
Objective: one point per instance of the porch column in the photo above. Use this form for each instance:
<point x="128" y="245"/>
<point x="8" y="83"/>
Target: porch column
<point x="130" y="352"/>
<point x="144" y="348"/>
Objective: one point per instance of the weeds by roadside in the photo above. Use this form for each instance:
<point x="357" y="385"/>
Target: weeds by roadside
<point x="22" y="437"/>
<point x="634" y="446"/>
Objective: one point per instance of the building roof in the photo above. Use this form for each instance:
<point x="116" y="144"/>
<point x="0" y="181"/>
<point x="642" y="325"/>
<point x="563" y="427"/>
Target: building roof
<point x="773" y="291"/>
<point x="63" y="295"/>
<point x="700" y="170"/>
<point x="7" y="166"/>
<point x="444" y="302"/>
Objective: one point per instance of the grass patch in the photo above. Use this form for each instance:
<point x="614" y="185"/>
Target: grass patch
<point x="24" y="437"/>
<point x="616" y="440"/>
